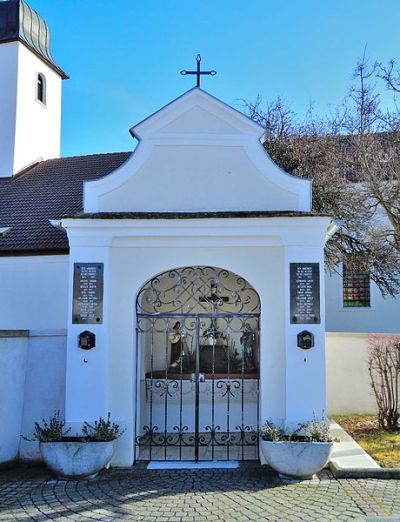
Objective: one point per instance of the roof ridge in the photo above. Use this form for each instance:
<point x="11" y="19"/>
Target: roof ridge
<point x="27" y="169"/>
<point x="91" y="155"/>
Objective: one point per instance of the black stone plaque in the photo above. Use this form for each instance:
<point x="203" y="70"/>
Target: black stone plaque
<point x="304" y="293"/>
<point x="87" y="306"/>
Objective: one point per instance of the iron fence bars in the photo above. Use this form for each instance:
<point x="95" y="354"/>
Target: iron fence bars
<point x="198" y="370"/>
<point x="205" y="414"/>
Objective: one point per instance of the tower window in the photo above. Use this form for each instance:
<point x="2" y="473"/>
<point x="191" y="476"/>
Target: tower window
<point x="41" y="88"/>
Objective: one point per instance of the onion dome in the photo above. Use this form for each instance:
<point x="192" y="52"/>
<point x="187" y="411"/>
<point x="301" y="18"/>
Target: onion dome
<point x="19" y="22"/>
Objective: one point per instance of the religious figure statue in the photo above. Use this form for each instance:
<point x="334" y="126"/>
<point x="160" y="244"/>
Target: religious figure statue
<point x="247" y="340"/>
<point x="175" y="338"/>
<point x="183" y="358"/>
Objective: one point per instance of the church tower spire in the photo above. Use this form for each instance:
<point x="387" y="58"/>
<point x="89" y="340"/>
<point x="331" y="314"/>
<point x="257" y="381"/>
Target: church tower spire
<point x="30" y="95"/>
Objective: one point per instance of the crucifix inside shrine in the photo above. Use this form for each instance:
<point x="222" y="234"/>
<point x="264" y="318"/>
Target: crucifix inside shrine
<point x="213" y="344"/>
<point x="198" y="72"/>
<point x="214" y="298"/>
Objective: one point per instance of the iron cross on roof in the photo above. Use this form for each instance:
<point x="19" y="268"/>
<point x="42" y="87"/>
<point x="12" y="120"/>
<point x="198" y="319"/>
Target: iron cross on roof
<point x="198" y="72"/>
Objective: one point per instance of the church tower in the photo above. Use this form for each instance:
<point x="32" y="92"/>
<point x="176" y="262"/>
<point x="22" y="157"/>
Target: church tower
<point x="30" y="93"/>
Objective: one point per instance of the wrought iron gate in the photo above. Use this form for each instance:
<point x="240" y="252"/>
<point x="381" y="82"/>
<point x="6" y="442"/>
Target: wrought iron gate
<point x="199" y="370"/>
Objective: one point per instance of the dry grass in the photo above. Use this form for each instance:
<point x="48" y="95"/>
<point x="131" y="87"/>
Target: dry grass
<point x="383" y="446"/>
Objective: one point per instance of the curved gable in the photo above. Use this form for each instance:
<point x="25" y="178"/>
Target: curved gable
<point x="198" y="154"/>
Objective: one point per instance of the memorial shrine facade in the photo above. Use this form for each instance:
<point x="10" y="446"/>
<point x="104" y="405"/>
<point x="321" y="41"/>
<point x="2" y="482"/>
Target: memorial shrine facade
<point x="180" y="286"/>
<point x="207" y="306"/>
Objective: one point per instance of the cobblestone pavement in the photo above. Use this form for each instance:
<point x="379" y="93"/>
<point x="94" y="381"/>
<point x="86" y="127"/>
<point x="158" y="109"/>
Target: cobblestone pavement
<point x="249" y="493"/>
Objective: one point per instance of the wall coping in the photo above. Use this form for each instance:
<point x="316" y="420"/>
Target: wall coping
<point x="358" y="334"/>
<point x="33" y="333"/>
<point x="14" y="333"/>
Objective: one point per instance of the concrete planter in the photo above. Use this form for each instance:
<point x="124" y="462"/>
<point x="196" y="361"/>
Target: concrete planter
<point x="297" y="459"/>
<point x="76" y="459"/>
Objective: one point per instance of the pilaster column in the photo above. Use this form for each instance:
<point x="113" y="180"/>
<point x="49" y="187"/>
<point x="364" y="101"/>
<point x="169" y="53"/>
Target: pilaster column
<point x="305" y="386"/>
<point x="87" y="370"/>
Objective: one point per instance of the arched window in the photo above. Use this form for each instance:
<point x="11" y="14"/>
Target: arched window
<point x="41" y="88"/>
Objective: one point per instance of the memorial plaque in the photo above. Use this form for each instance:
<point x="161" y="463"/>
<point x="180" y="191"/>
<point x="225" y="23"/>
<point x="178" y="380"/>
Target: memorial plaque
<point x="304" y="293"/>
<point x="88" y="293"/>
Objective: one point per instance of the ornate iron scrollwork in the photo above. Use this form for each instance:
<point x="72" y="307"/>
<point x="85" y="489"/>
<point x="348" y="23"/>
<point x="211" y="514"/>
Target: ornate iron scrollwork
<point x="226" y="387"/>
<point x="201" y="289"/>
<point x="198" y="336"/>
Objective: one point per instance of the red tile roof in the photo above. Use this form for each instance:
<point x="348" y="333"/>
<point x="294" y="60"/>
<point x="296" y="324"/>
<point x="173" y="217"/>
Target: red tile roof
<point x="48" y="190"/>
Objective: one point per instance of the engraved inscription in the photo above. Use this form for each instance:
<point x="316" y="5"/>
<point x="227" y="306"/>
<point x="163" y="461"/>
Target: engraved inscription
<point x="304" y="293"/>
<point x="88" y="293"/>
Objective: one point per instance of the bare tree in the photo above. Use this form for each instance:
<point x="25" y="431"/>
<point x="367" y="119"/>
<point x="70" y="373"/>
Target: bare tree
<point x="390" y="73"/>
<point x="384" y="371"/>
<point x="353" y="158"/>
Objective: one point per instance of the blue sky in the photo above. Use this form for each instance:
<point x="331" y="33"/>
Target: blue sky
<point x="124" y="56"/>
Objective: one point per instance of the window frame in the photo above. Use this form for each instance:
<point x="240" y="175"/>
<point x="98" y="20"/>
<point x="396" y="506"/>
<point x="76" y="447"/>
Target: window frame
<point x="40" y="75"/>
<point x="355" y="308"/>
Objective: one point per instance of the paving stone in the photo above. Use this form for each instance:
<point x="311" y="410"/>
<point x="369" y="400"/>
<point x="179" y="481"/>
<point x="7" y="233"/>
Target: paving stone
<point x="249" y="493"/>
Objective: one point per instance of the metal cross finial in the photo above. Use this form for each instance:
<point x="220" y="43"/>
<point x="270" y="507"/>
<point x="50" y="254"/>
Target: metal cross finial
<point x="198" y="72"/>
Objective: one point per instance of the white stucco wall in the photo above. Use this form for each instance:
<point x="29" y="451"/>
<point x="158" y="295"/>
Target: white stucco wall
<point x="190" y="177"/>
<point x="8" y="106"/>
<point x="32" y="386"/>
<point x="382" y="317"/>
<point x="34" y="299"/>
<point x="44" y="389"/>
<point x="33" y="292"/>
<point x="348" y="382"/>
<point x="13" y="362"/>
<point x="28" y="129"/>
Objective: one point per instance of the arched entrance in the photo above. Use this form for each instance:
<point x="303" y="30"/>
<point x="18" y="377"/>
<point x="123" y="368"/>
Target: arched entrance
<point x="198" y="366"/>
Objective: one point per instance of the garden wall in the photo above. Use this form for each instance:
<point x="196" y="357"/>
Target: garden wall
<point x="32" y="385"/>
<point x="348" y="382"/>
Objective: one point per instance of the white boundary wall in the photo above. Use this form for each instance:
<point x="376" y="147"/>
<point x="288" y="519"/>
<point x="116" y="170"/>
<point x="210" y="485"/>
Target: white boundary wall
<point x="32" y="386"/>
<point x="13" y="360"/>
<point x="348" y="382"/>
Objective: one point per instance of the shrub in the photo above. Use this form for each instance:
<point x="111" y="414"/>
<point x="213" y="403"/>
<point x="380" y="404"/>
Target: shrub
<point x="51" y="431"/>
<point x="102" y="430"/>
<point x="312" y="431"/>
<point x="271" y="432"/>
<point x="316" y="430"/>
<point x="384" y="371"/>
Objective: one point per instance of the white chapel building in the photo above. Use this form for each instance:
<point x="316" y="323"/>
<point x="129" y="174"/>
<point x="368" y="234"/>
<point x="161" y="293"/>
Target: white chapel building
<point x="180" y="287"/>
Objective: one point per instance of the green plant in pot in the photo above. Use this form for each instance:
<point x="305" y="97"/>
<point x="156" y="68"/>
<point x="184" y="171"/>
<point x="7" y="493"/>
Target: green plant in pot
<point x="299" y="454"/>
<point x="79" y="456"/>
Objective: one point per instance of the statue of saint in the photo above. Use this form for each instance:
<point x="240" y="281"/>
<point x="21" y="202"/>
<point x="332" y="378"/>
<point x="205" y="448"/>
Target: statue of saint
<point x="175" y="338"/>
<point x="247" y="340"/>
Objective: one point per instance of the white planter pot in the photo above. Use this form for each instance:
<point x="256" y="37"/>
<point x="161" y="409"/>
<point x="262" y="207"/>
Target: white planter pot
<point x="76" y="459"/>
<point x="297" y="459"/>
